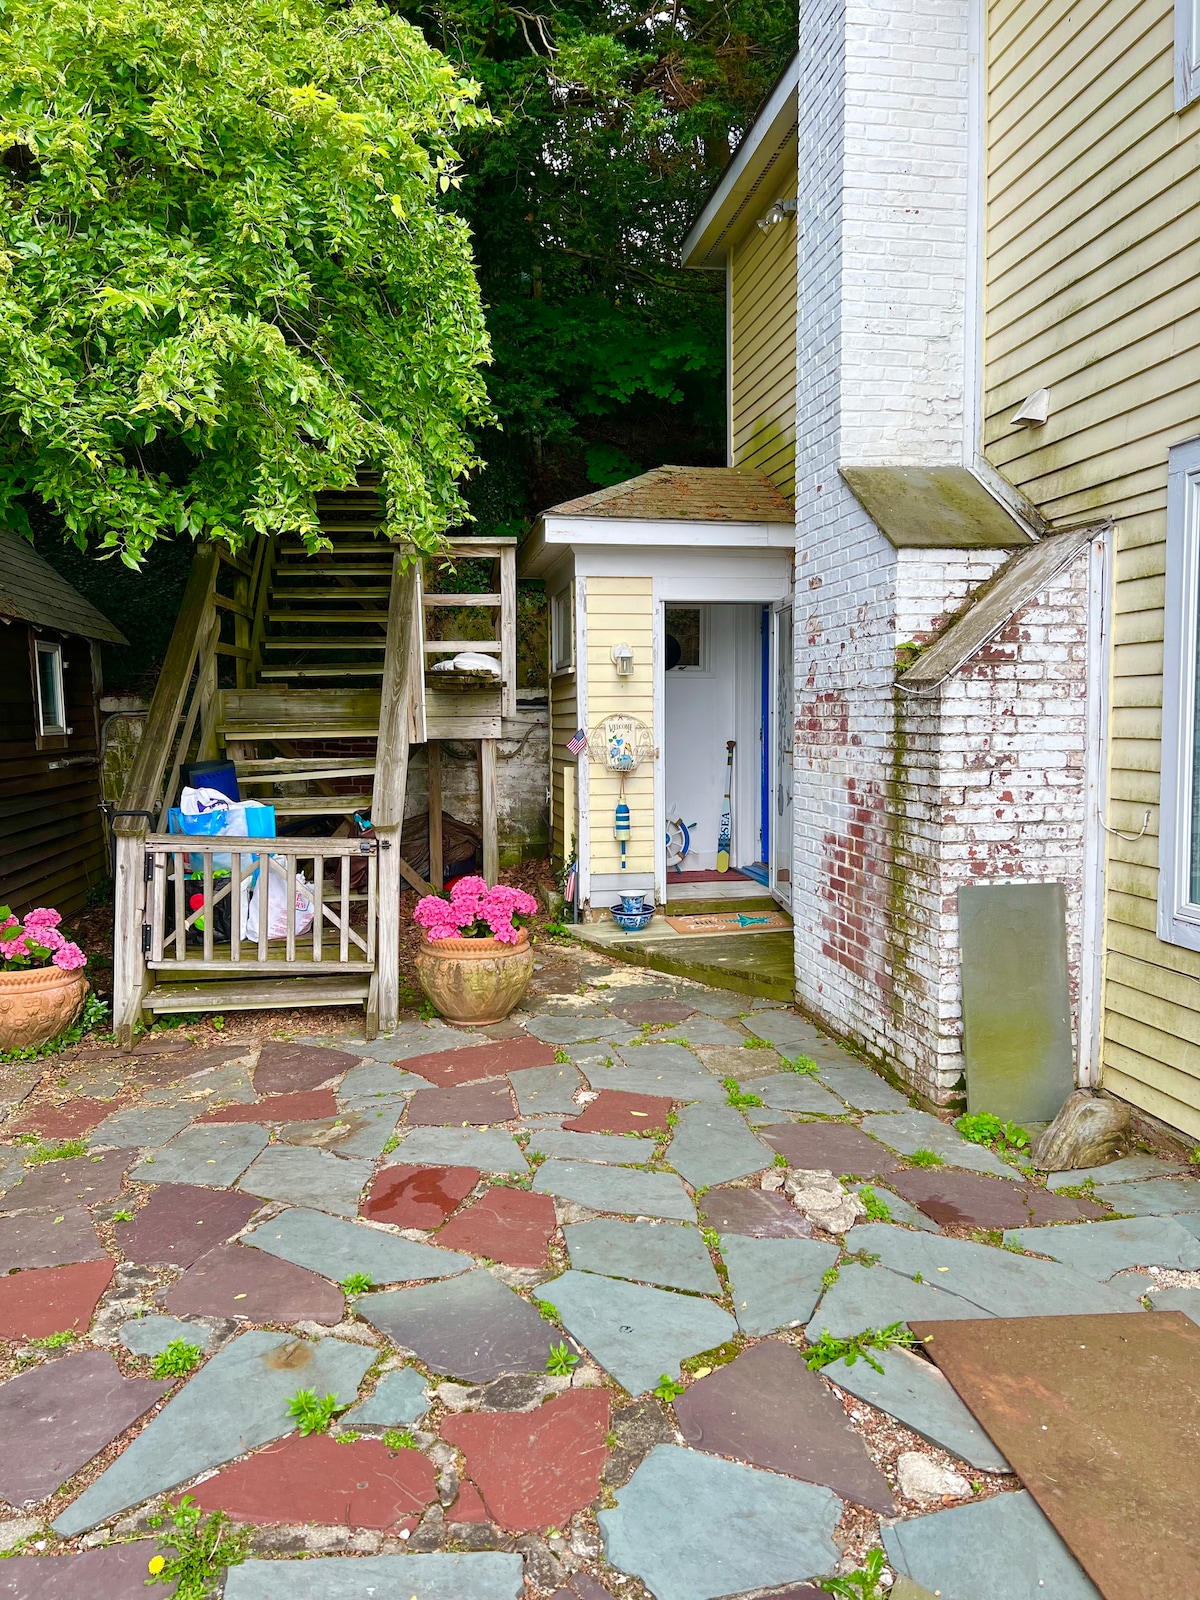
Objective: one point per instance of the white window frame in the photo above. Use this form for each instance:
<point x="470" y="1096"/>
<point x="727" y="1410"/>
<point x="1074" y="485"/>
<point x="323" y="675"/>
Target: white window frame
<point x="1187" y="52"/>
<point x="1178" y="913"/>
<point x="53" y="649"/>
<point x="704" y="668"/>
<point x="562" y="630"/>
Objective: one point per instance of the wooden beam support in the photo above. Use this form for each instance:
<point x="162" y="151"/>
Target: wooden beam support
<point x="434" y="754"/>
<point x="391" y="773"/>
<point x="489" y="810"/>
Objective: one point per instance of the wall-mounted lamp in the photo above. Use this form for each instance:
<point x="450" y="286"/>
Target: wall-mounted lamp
<point x="777" y="212"/>
<point x="622" y="657"/>
<point x="1035" y="411"/>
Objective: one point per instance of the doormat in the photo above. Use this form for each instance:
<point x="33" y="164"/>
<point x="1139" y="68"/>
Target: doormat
<point x="709" y="875"/>
<point x="730" y="922"/>
<point x="1100" y="1418"/>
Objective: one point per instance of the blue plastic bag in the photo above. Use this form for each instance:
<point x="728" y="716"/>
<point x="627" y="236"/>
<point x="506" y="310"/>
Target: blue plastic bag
<point x="243" y="821"/>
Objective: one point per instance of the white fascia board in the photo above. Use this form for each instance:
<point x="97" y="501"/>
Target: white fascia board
<point x="764" y="134"/>
<point x="667" y="534"/>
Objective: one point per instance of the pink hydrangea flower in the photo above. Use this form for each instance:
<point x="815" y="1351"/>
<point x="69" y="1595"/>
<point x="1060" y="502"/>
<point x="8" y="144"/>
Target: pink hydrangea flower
<point x="472" y="908"/>
<point x="42" y="918"/>
<point x="69" y="957"/>
<point x="13" y="948"/>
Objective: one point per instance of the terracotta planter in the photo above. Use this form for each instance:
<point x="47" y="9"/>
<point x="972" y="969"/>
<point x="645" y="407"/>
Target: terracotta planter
<point x="474" y="980"/>
<point x="37" y="1003"/>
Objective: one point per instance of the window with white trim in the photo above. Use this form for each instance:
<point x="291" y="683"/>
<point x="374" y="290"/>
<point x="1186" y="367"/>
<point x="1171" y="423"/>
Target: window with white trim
<point x="1187" y="52"/>
<point x="562" y="631"/>
<point x="48" y="689"/>
<point x="1179" y="812"/>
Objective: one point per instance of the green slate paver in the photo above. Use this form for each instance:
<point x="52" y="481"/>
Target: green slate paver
<point x="997" y="1281"/>
<point x="997" y="1549"/>
<point x="704" y="1031"/>
<point x="914" y="1392"/>
<point x="1126" y="1170"/>
<point x="900" y="1209"/>
<point x="775" y="1283"/>
<point x="475" y="1575"/>
<point x="472" y="1327"/>
<point x="376" y="1081"/>
<point x="399" y="1400"/>
<point x="579" y="1030"/>
<point x="797" y="1091"/>
<point x="1185" y="1300"/>
<point x="306" y="1177"/>
<point x="611" y="1149"/>
<point x="694" y="1526"/>
<point x="149" y="1336"/>
<point x="906" y="1131"/>
<point x="541" y="1090"/>
<point x="488" y="1149"/>
<point x="142" y="1127"/>
<point x="377" y="1123"/>
<point x="624" y="1190"/>
<point x="790" y="1035"/>
<point x="863" y="1089"/>
<point x="236" y="1402"/>
<point x="213" y="1155"/>
<point x="712" y="1144"/>
<point x="1159" y="1197"/>
<point x="686" y="1081"/>
<point x="337" y="1249"/>
<point x="873" y="1297"/>
<point x="660" y="1253"/>
<point x="635" y="1333"/>
<point x="1098" y="1249"/>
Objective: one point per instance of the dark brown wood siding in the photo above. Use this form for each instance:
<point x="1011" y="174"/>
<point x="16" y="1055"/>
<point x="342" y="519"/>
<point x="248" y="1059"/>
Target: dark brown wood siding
<point x="51" y="828"/>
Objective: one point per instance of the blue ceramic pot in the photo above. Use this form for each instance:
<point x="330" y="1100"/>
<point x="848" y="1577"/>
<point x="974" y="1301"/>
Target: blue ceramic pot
<point x="632" y="921"/>
<point x="633" y="904"/>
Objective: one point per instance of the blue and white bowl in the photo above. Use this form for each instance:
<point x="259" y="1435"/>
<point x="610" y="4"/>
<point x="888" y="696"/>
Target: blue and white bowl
<point x="631" y="921"/>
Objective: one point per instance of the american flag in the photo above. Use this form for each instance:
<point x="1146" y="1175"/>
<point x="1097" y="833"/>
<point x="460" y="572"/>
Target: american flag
<point x="578" y="744"/>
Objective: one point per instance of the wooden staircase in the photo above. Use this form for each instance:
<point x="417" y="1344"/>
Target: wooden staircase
<point x="307" y="671"/>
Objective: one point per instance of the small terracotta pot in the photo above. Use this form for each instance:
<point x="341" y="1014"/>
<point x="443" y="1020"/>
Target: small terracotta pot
<point x="474" y="981"/>
<point x="37" y="1003"/>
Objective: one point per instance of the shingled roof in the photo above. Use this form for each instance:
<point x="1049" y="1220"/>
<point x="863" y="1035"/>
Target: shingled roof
<point x="685" y="494"/>
<point x="31" y="591"/>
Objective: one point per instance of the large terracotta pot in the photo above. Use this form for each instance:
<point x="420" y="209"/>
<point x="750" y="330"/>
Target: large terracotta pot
<point x="37" y="1003"/>
<point x="474" y="980"/>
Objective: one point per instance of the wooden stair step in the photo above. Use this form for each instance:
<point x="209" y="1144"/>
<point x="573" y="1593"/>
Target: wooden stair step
<point x="319" y="805"/>
<point x="326" y="616"/>
<point x="349" y="592"/>
<point x="317" y="568"/>
<point x="263" y="994"/>
<point x="278" y="769"/>
<point x="290" y="642"/>
<point x="329" y="669"/>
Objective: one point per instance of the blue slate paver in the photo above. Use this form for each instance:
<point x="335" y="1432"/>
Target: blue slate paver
<point x="208" y="1089"/>
<point x="336" y="1249"/>
<point x="764" y="1117"/>
<point x="863" y="1089"/>
<point x="413" y="1039"/>
<point x="997" y="1549"/>
<point x="377" y="1122"/>
<point x="489" y="1149"/>
<point x="796" y="1091"/>
<point x="1158" y="1198"/>
<point x="236" y="1402"/>
<point x="703" y="1031"/>
<point x="712" y="1144"/>
<point x="906" y="1131"/>
<point x="399" y="1400"/>
<point x="641" y="1075"/>
<point x="1185" y="1300"/>
<point x="873" y="1297"/>
<point x="307" y="1177"/>
<point x="635" y="1333"/>
<point x="775" y="1283"/>
<point x="471" y="1327"/>
<point x="579" y="1030"/>
<point x="213" y="1155"/>
<point x="375" y="1081"/>
<point x="693" y="1527"/>
<point x="624" y="1190"/>
<point x="546" y="1089"/>
<point x="790" y="1035"/>
<point x="1007" y="1285"/>
<point x="900" y="1209"/>
<point x="914" y="1392"/>
<point x="611" y="1149"/>
<point x="149" y="1336"/>
<point x="663" y="1253"/>
<point x="1098" y="1249"/>
<point x="141" y="1128"/>
<point x="1126" y="1170"/>
<point x="477" y="1575"/>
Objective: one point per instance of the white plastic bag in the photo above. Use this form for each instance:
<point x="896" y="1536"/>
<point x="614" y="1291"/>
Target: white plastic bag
<point x="277" y="908"/>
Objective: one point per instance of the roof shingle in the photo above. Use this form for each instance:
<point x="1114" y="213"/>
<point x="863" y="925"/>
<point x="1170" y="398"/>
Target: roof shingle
<point x="31" y="591"/>
<point x="685" y="494"/>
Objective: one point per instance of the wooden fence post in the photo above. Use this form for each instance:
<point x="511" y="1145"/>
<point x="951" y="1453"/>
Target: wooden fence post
<point x="391" y="774"/>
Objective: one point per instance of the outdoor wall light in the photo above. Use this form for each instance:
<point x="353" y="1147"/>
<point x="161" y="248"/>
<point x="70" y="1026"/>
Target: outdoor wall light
<point x="622" y="657"/>
<point x="777" y="212"/>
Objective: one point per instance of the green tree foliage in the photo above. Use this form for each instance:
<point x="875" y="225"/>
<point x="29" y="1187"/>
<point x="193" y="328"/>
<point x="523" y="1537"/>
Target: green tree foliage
<point x="229" y="277"/>
<point x="611" y="123"/>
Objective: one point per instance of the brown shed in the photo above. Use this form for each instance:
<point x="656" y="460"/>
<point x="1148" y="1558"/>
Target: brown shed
<point x="51" y="828"/>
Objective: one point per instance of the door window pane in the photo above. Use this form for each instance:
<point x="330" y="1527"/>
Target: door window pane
<point x="684" y="637"/>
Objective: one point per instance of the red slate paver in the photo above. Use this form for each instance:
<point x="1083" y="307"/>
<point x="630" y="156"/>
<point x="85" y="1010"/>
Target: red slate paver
<point x="82" y="1181"/>
<point x="418" y="1197"/>
<point x="51" y="1299"/>
<point x="305" y="1107"/>
<point x="535" y="1469"/>
<point x="235" y="1281"/>
<point x="509" y="1225"/>
<point x="969" y="1199"/>
<point x="48" y="1239"/>
<point x="469" y="1506"/>
<point x="114" y="1572"/>
<point x="758" y="1213"/>
<point x="289" y="1068"/>
<point x="615" y="1111"/>
<point x="316" y="1479"/>
<point x="482" y="1104"/>
<point x="447" y="1068"/>
<point x="74" y="1120"/>
<point x="830" y="1146"/>
<point x="181" y="1221"/>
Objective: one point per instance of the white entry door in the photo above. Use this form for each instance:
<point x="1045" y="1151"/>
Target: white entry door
<point x="782" y="726"/>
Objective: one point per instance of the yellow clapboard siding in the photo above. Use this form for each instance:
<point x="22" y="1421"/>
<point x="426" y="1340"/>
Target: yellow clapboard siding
<point x="1129" y="1081"/>
<point x="763" y="339"/>
<point x="564" y="715"/>
<point x="620" y="611"/>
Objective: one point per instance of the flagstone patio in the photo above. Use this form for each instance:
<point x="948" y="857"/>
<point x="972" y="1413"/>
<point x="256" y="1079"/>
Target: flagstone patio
<point x="561" y="1301"/>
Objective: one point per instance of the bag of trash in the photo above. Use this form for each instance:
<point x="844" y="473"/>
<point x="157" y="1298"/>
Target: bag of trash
<point x="276" y="899"/>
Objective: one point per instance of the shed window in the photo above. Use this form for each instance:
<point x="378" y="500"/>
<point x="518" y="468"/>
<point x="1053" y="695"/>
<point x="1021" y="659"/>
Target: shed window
<point x="1187" y="52"/>
<point x="684" y="631"/>
<point x="1179" y="826"/>
<point x="51" y="704"/>
<point x="562" y="640"/>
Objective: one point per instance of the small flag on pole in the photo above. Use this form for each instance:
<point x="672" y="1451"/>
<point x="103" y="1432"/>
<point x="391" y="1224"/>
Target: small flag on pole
<point x="578" y="743"/>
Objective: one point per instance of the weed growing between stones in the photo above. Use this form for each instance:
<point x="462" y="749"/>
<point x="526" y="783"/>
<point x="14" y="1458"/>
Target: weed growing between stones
<point x="312" y="1415"/>
<point x="54" y="1341"/>
<point x="399" y="1439"/>
<point x="828" y="1349"/>
<point x="67" y="1150"/>
<point x="804" y="1064"/>
<point x="734" y="1096"/>
<point x="561" y="1361"/>
<point x="877" y="1209"/>
<point x="357" y="1283"/>
<point x="984" y="1128"/>
<point x="829" y="1277"/>
<point x="780" y="1161"/>
<point x="753" y="1043"/>
<point x="177" y="1360"/>
<point x="122" y="1216"/>
<point x="666" y="1389"/>
<point x="561" y="1057"/>
<point x="203" y="1548"/>
<point x="865" y="1584"/>
<point x="391" y="1143"/>
<point x="547" y="1310"/>
<point x="926" y="1158"/>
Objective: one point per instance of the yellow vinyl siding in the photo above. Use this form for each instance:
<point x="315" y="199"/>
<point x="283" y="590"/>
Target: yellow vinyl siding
<point x="763" y="339"/>
<point x="620" y="611"/>
<point x="1092" y="284"/>
<point x="564" y="719"/>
